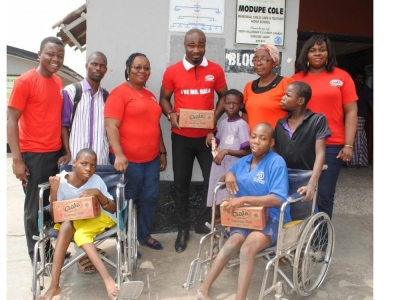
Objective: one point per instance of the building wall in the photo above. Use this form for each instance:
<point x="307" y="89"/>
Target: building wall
<point x="120" y="28"/>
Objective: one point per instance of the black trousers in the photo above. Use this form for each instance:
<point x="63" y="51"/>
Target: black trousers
<point x="184" y="151"/>
<point x="41" y="166"/>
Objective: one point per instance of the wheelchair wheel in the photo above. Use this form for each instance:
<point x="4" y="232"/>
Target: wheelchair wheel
<point x="313" y="254"/>
<point x="132" y="238"/>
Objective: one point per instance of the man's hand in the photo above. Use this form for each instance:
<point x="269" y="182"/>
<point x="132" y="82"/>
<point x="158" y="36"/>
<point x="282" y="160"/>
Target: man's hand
<point x="174" y="119"/>
<point x="209" y="138"/>
<point x="65" y="159"/>
<point x="19" y="169"/>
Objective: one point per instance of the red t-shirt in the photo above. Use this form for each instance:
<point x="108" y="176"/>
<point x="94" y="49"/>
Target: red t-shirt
<point x="39" y="99"/>
<point x="330" y="91"/>
<point x="265" y="107"/>
<point x="140" y="118"/>
<point x="193" y="89"/>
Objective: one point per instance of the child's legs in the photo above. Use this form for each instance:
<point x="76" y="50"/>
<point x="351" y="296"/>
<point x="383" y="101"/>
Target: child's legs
<point x="228" y="251"/>
<point x="64" y="238"/>
<point x="94" y="257"/>
<point x="65" y="235"/>
<point x="86" y="231"/>
<point x="255" y="242"/>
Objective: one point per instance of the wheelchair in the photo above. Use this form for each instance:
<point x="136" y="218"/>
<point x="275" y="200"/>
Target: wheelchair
<point x="124" y="231"/>
<point x="306" y="244"/>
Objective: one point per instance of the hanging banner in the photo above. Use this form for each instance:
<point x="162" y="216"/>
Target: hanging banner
<point x="260" y="22"/>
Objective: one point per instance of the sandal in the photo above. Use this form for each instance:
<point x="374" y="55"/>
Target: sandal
<point x="101" y="252"/>
<point x="86" y="266"/>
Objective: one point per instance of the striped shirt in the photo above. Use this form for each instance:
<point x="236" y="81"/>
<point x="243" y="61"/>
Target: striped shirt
<point x="88" y="128"/>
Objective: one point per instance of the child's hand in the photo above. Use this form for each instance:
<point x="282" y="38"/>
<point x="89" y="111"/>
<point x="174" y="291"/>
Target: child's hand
<point x="220" y="156"/>
<point x="230" y="181"/>
<point x="54" y="182"/>
<point x="209" y="138"/>
<point x="90" y="193"/>
<point x="232" y="204"/>
<point x="308" y="190"/>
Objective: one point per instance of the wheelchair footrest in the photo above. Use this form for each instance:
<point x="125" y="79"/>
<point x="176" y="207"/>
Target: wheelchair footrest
<point x="130" y="290"/>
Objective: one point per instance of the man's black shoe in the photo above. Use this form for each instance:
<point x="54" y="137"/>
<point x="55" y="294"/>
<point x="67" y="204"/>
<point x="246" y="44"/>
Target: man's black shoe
<point x="181" y="240"/>
<point x="202" y="229"/>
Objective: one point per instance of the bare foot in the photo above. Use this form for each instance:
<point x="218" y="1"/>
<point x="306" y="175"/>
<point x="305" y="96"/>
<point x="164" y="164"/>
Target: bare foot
<point x="202" y="295"/>
<point x="112" y="289"/>
<point x="51" y="292"/>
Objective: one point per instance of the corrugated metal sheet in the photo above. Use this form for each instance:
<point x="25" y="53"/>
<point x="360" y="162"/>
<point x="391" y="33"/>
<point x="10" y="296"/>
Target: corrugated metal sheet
<point x="73" y="28"/>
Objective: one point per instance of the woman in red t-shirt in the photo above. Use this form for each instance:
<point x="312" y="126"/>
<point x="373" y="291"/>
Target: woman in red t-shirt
<point x="132" y="116"/>
<point x="334" y="95"/>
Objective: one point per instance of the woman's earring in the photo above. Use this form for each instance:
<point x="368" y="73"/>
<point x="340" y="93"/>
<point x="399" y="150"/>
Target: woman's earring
<point x="326" y="63"/>
<point x="308" y="64"/>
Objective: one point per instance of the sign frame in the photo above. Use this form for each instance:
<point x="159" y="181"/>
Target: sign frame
<point x="260" y="22"/>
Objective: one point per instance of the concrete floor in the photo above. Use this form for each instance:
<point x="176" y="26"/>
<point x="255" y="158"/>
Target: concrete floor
<point x="350" y="275"/>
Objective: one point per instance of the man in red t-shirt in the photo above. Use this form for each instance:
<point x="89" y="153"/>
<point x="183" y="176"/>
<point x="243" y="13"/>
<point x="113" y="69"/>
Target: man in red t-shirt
<point x="34" y="129"/>
<point x="193" y="82"/>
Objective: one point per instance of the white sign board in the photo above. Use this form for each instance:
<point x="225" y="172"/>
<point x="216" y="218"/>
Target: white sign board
<point x="260" y="22"/>
<point x="207" y="15"/>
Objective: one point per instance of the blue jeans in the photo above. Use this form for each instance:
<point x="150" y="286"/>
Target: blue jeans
<point x="143" y="187"/>
<point x="327" y="181"/>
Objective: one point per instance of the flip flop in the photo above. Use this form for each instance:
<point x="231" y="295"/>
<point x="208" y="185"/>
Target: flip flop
<point x="86" y="266"/>
<point x="156" y="245"/>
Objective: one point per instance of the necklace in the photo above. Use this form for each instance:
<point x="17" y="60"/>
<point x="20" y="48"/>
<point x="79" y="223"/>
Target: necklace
<point x="130" y="84"/>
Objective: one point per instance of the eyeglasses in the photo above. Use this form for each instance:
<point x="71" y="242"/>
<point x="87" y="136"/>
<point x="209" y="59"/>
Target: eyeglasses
<point x="262" y="60"/>
<point x="232" y="103"/>
<point x="138" y="68"/>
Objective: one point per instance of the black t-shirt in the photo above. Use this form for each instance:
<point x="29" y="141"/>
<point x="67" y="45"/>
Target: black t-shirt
<point x="298" y="151"/>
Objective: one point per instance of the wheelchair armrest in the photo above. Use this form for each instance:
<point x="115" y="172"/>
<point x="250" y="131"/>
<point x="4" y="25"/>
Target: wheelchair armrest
<point x="221" y="184"/>
<point x="44" y="185"/>
<point x="295" y="197"/>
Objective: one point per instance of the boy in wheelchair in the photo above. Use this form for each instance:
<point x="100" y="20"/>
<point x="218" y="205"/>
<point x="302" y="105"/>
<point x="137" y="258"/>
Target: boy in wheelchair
<point x="82" y="182"/>
<point x="259" y="179"/>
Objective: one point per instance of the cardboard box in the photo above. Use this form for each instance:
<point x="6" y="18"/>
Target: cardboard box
<point x="196" y="118"/>
<point x="252" y="217"/>
<point x="76" y="209"/>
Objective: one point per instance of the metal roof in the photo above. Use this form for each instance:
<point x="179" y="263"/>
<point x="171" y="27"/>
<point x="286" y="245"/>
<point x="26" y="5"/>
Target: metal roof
<point x="73" y="29"/>
<point x="21" y="53"/>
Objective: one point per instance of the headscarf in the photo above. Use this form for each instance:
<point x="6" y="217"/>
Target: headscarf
<point x="272" y="51"/>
